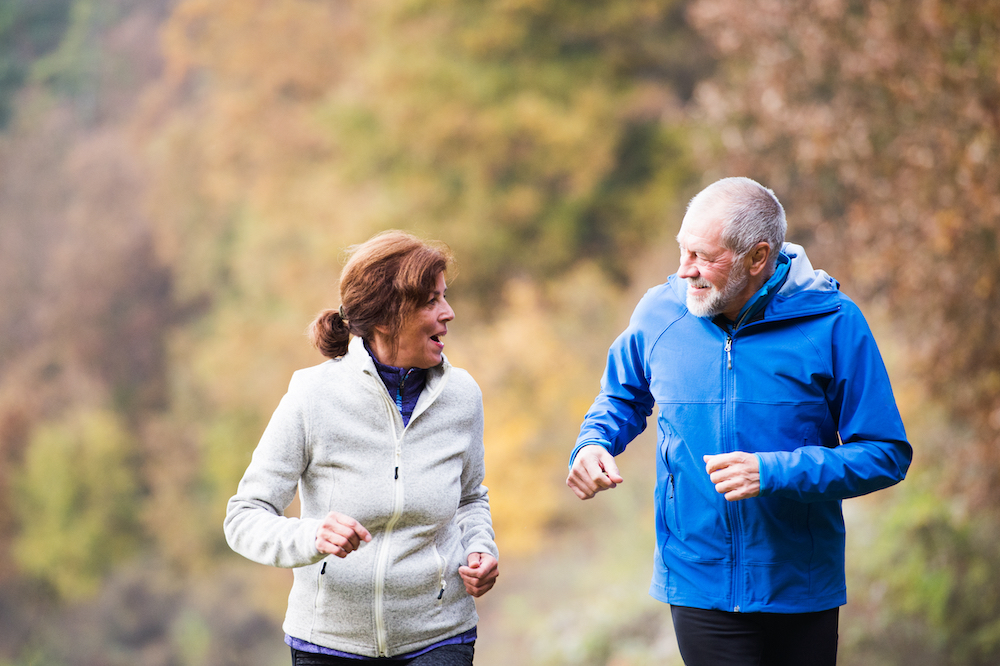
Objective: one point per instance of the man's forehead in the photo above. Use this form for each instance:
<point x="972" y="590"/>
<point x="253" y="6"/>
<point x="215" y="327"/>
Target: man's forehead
<point x="700" y="231"/>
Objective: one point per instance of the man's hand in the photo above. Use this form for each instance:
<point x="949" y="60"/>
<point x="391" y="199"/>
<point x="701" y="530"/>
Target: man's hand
<point x="340" y="535"/>
<point x="480" y="575"/>
<point x="735" y="475"/>
<point x="593" y="470"/>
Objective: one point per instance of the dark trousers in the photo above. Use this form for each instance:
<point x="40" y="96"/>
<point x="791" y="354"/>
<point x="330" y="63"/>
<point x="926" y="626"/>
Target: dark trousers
<point x="718" y="638"/>
<point x="446" y="655"/>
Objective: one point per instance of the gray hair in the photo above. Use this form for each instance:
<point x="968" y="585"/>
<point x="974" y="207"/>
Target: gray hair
<point x="750" y="211"/>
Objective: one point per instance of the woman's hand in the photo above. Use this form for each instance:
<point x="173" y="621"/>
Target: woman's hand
<point x="481" y="574"/>
<point x="340" y="535"/>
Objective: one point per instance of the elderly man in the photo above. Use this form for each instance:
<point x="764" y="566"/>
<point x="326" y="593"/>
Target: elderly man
<point x="774" y="405"/>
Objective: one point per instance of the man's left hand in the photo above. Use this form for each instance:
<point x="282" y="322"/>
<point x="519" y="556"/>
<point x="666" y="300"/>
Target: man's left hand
<point x="735" y="475"/>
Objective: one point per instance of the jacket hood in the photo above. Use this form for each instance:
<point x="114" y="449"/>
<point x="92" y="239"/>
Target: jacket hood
<point x="801" y="274"/>
<point x="806" y="290"/>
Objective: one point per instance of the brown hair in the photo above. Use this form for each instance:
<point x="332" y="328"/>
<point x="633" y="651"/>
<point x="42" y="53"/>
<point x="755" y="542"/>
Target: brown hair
<point x="385" y="279"/>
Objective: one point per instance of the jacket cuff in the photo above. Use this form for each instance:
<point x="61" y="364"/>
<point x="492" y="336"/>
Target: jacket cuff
<point x="763" y="475"/>
<point x="490" y="548"/>
<point x="576" y="449"/>
<point x="307" y="541"/>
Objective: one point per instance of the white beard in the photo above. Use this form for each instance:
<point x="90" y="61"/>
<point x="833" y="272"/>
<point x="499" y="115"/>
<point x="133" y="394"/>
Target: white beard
<point x="716" y="300"/>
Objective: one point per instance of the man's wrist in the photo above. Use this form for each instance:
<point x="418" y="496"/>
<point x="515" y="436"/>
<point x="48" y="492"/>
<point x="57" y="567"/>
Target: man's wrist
<point x="582" y="445"/>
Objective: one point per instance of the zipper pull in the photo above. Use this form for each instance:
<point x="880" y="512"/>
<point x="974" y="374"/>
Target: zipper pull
<point x="397" y="473"/>
<point x="443" y="584"/>
<point x="729" y="351"/>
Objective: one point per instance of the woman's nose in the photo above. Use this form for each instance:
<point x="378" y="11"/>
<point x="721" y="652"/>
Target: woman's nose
<point x="448" y="314"/>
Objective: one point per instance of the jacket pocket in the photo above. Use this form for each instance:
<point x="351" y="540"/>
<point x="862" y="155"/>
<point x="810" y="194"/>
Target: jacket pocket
<point x="442" y="565"/>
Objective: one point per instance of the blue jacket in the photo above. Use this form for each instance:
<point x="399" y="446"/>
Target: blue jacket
<point x="801" y="384"/>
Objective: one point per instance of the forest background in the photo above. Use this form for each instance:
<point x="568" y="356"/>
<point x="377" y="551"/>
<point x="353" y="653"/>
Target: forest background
<point x="180" y="179"/>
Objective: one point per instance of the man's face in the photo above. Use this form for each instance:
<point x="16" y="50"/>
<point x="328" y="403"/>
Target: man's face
<point x="716" y="277"/>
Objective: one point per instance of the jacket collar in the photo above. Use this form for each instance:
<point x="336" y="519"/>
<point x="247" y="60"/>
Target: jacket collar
<point x="358" y="358"/>
<point x="806" y="290"/>
<point x="754" y="308"/>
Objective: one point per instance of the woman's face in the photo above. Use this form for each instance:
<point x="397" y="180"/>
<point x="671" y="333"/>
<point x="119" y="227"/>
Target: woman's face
<point x="421" y="337"/>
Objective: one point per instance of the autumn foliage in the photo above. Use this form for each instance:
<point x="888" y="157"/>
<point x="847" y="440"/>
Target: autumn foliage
<point x="179" y="180"/>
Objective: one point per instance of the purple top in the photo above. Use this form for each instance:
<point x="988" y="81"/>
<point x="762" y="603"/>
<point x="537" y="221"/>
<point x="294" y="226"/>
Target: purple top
<point x="403" y="385"/>
<point x="305" y="646"/>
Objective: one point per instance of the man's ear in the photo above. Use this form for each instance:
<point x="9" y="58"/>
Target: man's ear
<point x="760" y="258"/>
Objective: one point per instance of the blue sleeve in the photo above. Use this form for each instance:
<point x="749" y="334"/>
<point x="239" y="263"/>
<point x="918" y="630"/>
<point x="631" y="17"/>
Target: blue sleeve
<point x="619" y="412"/>
<point x="873" y="452"/>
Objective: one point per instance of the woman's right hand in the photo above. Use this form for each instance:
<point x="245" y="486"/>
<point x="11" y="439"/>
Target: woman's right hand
<point x="339" y="535"/>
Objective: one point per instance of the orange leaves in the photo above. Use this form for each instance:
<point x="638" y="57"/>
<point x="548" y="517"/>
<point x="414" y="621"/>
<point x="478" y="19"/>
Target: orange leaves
<point x="539" y="366"/>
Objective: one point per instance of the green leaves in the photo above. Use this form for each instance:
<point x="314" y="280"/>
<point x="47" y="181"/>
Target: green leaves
<point x="76" y="499"/>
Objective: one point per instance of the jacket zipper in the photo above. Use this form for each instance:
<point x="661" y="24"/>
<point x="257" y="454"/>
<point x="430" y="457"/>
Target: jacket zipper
<point x="729" y="339"/>
<point x="382" y="560"/>
<point x="732" y="508"/>
<point x="441" y="579"/>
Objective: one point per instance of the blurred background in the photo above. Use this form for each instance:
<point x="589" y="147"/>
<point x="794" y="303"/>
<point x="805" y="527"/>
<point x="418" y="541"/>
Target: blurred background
<point x="179" y="180"/>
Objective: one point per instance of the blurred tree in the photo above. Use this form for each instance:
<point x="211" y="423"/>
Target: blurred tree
<point x="85" y="304"/>
<point x="877" y="124"/>
<point x="535" y="362"/>
<point x="28" y="30"/>
<point x="76" y="496"/>
<point x="529" y="135"/>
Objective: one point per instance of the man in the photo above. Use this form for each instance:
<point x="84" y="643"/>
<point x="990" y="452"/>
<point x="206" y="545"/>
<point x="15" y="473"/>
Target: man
<point x="774" y="405"/>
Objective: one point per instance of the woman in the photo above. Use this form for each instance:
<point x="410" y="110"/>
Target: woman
<point x="384" y="443"/>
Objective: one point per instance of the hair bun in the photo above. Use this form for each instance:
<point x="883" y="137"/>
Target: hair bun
<point x="330" y="333"/>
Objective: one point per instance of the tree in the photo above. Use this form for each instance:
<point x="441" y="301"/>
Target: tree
<point x="76" y="497"/>
<point x="28" y="30"/>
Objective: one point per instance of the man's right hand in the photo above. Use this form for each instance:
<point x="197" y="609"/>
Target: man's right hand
<point x="593" y="470"/>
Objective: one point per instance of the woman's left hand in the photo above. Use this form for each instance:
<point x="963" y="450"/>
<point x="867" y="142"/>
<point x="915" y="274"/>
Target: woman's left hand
<point x="480" y="575"/>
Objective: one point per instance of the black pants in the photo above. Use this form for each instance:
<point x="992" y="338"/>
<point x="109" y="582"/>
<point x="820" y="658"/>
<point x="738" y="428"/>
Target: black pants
<point x="446" y="655"/>
<point x="718" y="638"/>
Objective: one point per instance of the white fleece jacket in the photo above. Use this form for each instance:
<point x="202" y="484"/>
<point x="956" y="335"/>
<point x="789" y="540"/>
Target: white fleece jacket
<point x="339" y="438"/>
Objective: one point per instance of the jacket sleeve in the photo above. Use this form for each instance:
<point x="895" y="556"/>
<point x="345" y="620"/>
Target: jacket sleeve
<point x="873" y="452"/>
<point x="473" y="515"/>
<point x="618" y="414"/>
<point x="255" y="525"/>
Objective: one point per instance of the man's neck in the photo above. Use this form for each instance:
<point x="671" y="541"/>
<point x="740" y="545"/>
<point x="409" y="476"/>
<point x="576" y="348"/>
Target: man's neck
<point x="753" y="285"/>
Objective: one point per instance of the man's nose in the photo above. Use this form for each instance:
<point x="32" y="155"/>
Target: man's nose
<point x="687" y="268"/>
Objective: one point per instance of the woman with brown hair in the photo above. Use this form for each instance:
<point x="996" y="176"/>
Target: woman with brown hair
<point x="384" y="442"/>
